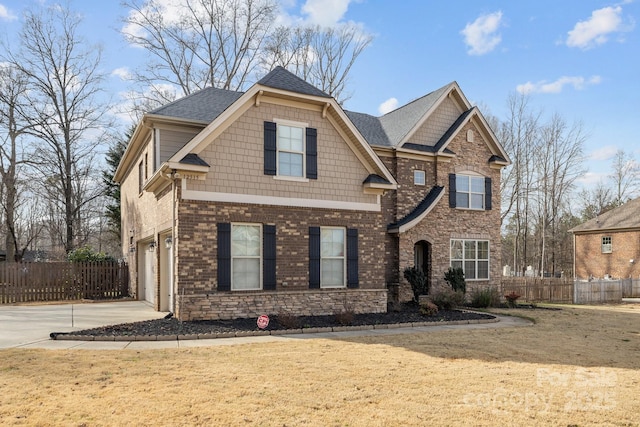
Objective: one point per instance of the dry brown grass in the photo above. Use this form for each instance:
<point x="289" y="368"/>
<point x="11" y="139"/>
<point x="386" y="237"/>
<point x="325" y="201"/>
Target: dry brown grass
<point x="578" y="366"/>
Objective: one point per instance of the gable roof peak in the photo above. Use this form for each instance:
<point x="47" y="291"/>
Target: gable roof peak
<point x="281" y="78"/>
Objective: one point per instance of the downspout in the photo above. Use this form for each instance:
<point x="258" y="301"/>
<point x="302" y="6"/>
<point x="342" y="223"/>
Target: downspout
<point x="174" y="241"/>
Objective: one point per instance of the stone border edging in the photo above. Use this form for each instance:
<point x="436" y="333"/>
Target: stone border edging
<point x="62" y="336"/>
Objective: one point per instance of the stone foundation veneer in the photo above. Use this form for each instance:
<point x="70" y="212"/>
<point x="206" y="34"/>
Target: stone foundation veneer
<point x="236" y="305"/>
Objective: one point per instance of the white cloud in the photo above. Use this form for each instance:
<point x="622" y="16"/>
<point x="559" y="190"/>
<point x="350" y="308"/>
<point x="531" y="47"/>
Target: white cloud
<point x="597" y="29"/>
<point x="557" y="86"/>
<point x="591" y="179"/>
<point x="123" y="73"/>
<point x="388" y="105"/>
<point x="6" y="15"/>
<point x="325" y="13"/>
<point x="482" y="34"/>
<point x="603" y="153"/>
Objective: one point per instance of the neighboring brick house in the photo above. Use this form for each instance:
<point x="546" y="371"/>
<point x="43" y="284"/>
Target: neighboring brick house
<point x="277" y="200"/>
<point x="609" y="245"/>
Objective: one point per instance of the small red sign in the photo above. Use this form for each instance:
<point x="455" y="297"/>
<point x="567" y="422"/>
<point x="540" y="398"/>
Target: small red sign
<point x="263" y="321"/>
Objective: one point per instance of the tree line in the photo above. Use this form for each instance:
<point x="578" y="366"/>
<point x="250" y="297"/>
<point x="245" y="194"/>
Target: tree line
<point x="541" y="196"/>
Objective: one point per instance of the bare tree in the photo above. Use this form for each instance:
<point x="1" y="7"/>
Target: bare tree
<point x="199" y="43"/>
<point x="13" y="126"/>
<point x="559" y="162"/>
<point x="595" y="201"/>
<point x="228" y="43"/>
<point x="64" y="83"/>
<point x="625" y="177"/>
<point x="321" y="56"/>
<point x="520" y="136"/>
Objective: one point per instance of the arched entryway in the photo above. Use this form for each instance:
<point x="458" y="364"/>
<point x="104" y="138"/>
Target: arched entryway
<point x="422" y="259"/>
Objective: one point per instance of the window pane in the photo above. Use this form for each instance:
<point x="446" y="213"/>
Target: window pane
<point x="418" y="177"/>
<point x="332" y="272"/>
<point x="245" y="240"/>
<point x="462" y="183"/>
<point x="456" y="264"/>
<point x="462" y="200"/>
<point x="470" y="249"/>
<point x="483" y="269"/>
<point x="456" y="249"/>
<point x="483" y="250"/>
<point x="477" y="201"/>
<point x="246" y="273"/>
<point x="469" y="269"/>
<point x="477" y="185"/>
<point x="296" y="139"/>
<point x="290" y="164"/>
<point x="332" y="242"/>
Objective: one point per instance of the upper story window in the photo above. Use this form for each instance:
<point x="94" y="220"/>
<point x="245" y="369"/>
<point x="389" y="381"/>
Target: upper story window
<point x="419" y="177"/>
<point x="290" y="150"/>
<point x="607" y="248"/>
<point x="468" y="191"/>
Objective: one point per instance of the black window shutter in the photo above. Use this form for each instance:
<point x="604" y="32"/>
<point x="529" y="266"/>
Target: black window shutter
<point x="452" y="190"/>
<point x="312" y="153"/>
<point x="487" y="193"/>
<point x="314" y="257"/>
<point x="224" y="257"/>
<point x="352" y="258"/>
<point x="270" y="148"/>
<point x="269" y="257"/>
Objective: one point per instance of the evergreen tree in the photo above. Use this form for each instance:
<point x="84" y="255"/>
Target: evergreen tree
<point x="112" y="189"/>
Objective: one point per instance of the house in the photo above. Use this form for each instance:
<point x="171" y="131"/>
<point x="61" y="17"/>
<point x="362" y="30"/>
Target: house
<point x="236" y="204"/>
<point x="608" y="245"/>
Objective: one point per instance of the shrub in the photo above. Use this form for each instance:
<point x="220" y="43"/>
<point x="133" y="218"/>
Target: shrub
<point x="344" y="318"/>
<point x="512" y="299"/>
<point x="448" y="299"/>
<point x="288" y="320"/>
<point x="487" y="297"/>
<point x="455" y="278"/>
<point x="417" y="280"/>
<point x="85" y="253"/>
<point x="428" y="308"/>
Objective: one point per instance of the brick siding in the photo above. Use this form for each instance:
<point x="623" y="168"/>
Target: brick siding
<point x="591" y="262"/>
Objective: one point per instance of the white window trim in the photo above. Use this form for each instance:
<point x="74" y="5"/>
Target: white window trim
<point x="344" y="259"/>
<point x="303" y="126"/>
<point x="233" y="224"/>
<point x="606" y="248"/>
<point x="475" y="259"/>
<point x="469" y="193"/>
<point x="417" y="172"/>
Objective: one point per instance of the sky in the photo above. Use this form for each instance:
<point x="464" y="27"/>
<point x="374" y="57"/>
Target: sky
<point x="577" y="58"/>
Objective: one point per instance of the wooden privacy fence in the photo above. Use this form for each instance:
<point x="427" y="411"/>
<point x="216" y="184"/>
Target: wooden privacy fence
<point x="565" y="290"/>
<point x="59" y="281"/>
<point x="600" y="291"/>
<point x="539" y="289"/>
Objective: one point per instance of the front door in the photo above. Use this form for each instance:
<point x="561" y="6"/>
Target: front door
<point x="422" y="259"/>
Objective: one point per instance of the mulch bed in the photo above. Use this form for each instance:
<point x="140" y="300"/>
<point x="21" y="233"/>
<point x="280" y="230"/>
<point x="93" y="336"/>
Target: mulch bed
<point x="173" y="327"/>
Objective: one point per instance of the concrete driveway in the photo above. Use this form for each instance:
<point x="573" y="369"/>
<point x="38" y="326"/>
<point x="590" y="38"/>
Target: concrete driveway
<point x="22" y="325"/>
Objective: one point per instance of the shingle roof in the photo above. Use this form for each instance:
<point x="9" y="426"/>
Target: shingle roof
<point x="419" y="210"/>
<point x="622" y="217"/>
<point x="193" y="159"/>
<point x="399" y="122"/>
<point x="280" y="78"/>
<point x="204" y="105"/>
<point x="370" y="128"/>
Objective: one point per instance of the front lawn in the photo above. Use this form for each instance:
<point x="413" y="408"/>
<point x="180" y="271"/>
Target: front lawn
<point x="575" y="366"/>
